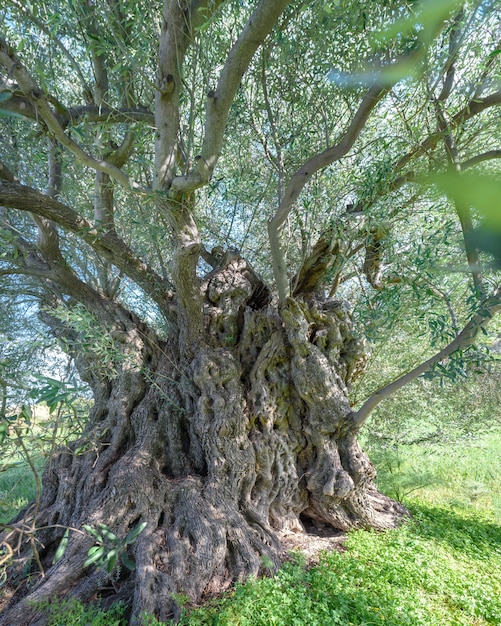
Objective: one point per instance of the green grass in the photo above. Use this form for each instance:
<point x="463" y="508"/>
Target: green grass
<point x="35" y="432"/>
<point x="443" y="568"/>
<point x="17" y="487"/>
<point x="71" y="612"/>
<point x="464" y="475"/>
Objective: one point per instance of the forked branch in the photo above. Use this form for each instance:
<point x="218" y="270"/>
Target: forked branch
<point x="471" y="109"/>
<point x="261" y="22"/>
<point x="108" y="245"/>
<point x="46" y="115"/>
<point x="304" y="174"/>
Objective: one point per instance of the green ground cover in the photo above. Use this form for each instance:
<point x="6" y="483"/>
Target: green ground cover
<point x="17" y="487"/>
<point x="442" y="569"/>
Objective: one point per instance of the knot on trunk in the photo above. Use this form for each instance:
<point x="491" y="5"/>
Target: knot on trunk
<point x="329" y="327"/>
<point x="229" y="289"/>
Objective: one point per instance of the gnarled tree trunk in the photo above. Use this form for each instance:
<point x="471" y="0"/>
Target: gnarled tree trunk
<point x="219" y="453"/>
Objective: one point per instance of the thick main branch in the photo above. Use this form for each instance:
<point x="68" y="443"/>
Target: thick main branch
<point x="109" y="245"/>
<point x="262" y="21"/>
<point x="304" y="174"/>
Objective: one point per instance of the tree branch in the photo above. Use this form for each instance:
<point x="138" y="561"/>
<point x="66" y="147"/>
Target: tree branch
<point x="54" y="274"/>
<point x="6" y="174"/>
<point x="480" y="158"/>
<point x="450" y="65"/>
<point x="31" y="271"/>
<point x="260" y="24"/>
<point x="109" y="245"/>
<point x="304" y="174"/>
<point x="44" y="113"/>
<point x="91" y="113"/>
<point x="278" y="161"/>
<point x="45" y="262"/>
<point x="172" y="48"/>
<point x="465" y="338"/>
<point x="462" y="209"/>
<point x="48" y="236"/>
<point x="473" y="108"/>
<point x="180" y="19"/>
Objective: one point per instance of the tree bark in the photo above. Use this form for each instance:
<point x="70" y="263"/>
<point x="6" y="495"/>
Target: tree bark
<point x="219" y="453"/>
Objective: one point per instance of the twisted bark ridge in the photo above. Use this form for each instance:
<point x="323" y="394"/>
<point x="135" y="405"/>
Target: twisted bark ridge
<point x="219" y="454"/>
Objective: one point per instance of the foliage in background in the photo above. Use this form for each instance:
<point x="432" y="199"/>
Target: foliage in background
<point x="55" y="412"/>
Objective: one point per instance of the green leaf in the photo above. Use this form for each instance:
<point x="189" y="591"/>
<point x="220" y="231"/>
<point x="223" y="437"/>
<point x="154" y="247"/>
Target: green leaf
<point x="61" y="549"/>
<point x="95" y="554"/>
<point x="4" y="113"/>
<point x="488" y="240"/>
<point x="111" y="559"/>
<point x="137" y="530"/>
<point x="81" y="449"/>
<point x="4" y="432"/>
<point x="93" y="531"/>
<point x="78" y="133"/>
<point x="107" y="534"/>
<point x="128" y="562"/>
<point x="475" y="190"/>
<point x="431" y="13"/>
<point x="26" y="413"/>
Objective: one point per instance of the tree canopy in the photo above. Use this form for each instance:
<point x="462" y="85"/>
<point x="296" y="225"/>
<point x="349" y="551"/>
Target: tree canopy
<point x="313" y="140"/>
<point x="263" y="118"/>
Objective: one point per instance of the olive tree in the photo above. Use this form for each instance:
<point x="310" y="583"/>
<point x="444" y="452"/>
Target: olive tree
<point x="192" y="190"/>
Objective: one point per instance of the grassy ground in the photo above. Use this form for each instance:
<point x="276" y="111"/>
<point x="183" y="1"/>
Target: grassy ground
<point x="17" y="487"/>
<point x="443" y="568"/>
<point x="463" y="475"/>
<point x="35" y="433"/>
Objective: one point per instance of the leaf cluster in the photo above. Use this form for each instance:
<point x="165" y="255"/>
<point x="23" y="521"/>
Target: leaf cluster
<point x="109" y="548"/>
